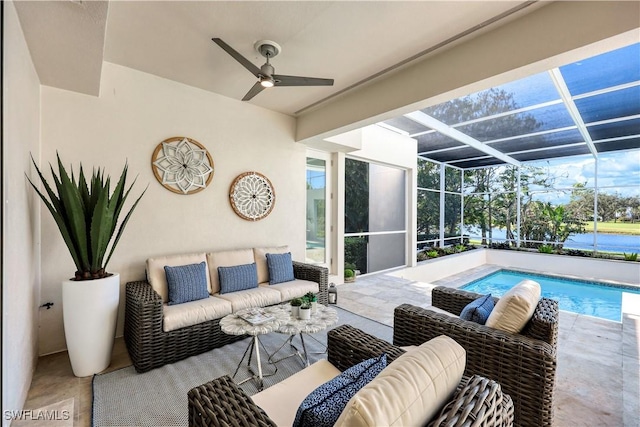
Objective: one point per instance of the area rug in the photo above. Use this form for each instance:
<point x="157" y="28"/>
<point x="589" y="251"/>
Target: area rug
<point x="159" y="397"/>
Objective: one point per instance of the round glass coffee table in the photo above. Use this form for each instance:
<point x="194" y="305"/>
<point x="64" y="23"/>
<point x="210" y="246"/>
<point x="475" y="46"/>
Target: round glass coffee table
<point x="235" y="324"/>
<point x="321" y="318"/>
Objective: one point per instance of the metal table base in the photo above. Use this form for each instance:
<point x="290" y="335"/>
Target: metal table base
<point x="304" y="356"/>
<point x="254" y="347"/>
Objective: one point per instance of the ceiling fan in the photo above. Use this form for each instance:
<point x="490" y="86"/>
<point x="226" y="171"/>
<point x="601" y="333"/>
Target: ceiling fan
<point x="266" y="73"/>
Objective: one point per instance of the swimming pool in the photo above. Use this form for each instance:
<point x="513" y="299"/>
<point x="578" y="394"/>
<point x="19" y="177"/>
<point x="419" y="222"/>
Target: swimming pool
<point x="578" y="296"/>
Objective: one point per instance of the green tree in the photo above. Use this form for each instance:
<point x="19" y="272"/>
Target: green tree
<point x="428" y="202"/>
<point x="356" y="196"/>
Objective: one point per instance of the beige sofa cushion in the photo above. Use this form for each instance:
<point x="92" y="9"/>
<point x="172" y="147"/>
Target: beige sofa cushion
<point x="261" y="296"/>
<point x="411" y="390"/>
<point x="226" y="259"/>
<point x="260" y="255"/>
<point x="194" y="312"/>
<point x="157" y="277"/>
<point x="515" y="308"/>
<point x="294" y="289"/>
<point x="281" y="401"/>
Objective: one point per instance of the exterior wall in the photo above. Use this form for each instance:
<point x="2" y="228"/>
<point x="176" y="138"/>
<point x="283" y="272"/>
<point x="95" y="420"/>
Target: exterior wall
<point x="586" y="268"/>
<point x="21" y="221"/>
<point x="134" y="113"/>
<point x="439" y="268"/>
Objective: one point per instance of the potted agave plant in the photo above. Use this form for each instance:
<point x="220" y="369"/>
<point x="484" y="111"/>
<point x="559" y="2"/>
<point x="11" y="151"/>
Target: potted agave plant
<point x="87" y="216"/>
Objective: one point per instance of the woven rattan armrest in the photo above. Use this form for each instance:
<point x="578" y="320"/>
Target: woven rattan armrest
<point x="348" y="346"/>
<point x="314" y="273"/>
<point x="525" y="367"/>
<point x="479" y="402"/>
<point x="542" y="326"/>
<point x="143" y="322"/>
<point x="222" y="403"/>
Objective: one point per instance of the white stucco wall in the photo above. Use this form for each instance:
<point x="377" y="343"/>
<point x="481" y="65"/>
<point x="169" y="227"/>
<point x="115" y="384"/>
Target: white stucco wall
<point x="586" y="268"/>
<point x="20" y="239"/>
<point x="603" y="270"/>
<point x="134" y="113"/>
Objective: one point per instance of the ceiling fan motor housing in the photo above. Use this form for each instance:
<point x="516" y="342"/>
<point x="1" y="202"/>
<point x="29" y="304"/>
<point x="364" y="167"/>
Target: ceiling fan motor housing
<point x="267" y="48"/>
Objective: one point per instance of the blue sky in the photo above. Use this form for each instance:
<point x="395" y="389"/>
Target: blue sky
<point x="619" y="169"/>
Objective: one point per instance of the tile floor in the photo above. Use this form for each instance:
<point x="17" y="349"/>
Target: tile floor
<point x="598" y="371"/>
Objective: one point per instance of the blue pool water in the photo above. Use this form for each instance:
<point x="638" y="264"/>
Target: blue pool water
<point x="578" y="296"/>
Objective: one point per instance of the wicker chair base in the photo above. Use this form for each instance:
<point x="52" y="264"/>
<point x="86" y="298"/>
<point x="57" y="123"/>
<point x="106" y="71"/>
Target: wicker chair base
<point x="477" y="402"/>
<point x="150" y="347"/>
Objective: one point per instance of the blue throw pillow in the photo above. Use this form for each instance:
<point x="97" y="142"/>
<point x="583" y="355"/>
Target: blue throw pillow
<point x="325" y="404"/>
<point x="187" y="282"/>
<point x="478" y="310"/>
<point x="280" y="268"/>
<point x="238" y="278"/>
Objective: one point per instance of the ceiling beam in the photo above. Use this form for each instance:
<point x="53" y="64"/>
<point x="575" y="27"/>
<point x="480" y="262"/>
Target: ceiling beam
<point x="443" y="128"/>
<point x="562" y="88"/>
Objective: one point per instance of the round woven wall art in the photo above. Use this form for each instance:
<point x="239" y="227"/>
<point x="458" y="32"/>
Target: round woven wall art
<point x="252" y="196"/>
<point x="182" y="165"/>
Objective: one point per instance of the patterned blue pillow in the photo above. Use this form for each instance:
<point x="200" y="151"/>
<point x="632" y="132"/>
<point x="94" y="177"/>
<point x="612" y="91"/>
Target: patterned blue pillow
<point x="325" y="404"/>
<point x="280" y="268"/>
<point x="187" y="282"/>
<point x="238" y="278"/>
<point x="478" y="310"/>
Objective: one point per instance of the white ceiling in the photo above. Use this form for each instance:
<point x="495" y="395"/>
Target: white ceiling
<point x="347" y="41"/>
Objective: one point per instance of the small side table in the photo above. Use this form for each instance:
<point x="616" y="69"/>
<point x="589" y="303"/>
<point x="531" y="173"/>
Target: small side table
<point x="321" y="318"/>
<point x="233" y="324"/>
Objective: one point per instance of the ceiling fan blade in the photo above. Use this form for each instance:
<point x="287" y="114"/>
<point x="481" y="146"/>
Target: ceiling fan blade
<point x="255" y="89"/>
<point x="241" y="59"/>
<point x="300" y="81"/>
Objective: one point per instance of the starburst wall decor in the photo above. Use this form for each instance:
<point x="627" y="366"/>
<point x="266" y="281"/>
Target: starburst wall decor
<point x="252" y="196"/>
<point x="182" y="165"/>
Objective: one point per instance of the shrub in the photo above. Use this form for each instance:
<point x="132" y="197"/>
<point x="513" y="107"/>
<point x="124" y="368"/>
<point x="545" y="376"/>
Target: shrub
<point x="545" y="249"/>
<point x="432" y="254"/>
<point x="631" y="257"/>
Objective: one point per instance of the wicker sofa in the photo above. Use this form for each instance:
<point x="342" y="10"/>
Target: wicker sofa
<point x="477" y="401"/>
<point x="151" y="342"/>
<point x="524" y="364"/>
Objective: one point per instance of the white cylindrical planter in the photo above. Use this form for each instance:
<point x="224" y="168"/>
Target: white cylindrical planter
<point x="90" y="311"/>
<point x="304" y="314"/>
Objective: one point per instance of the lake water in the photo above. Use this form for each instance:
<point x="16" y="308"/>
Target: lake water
<point x="606" y="242"/>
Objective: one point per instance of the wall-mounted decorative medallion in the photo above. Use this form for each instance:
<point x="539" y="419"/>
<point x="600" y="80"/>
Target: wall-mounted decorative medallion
<point x="252" y="196"/>
<point x="182" y="165"/>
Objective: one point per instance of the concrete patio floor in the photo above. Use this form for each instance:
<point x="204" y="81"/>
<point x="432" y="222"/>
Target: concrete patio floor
<point x="598" y="372"/>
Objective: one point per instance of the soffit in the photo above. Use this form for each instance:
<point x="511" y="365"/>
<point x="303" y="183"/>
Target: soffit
<point x="346" y="41"/>
<point x="66" y="41"/>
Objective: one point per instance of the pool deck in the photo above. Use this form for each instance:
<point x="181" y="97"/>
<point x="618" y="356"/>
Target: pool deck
<point x="598" y="371"/>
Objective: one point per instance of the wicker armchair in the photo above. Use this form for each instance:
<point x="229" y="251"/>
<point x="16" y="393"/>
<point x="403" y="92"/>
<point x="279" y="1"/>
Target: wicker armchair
<point x="150" y="347"/>
<point x="478" y="401"/>
<point x="524" y="364"/>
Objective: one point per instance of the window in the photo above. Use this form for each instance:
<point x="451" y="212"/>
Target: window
<point x="317" y="249"/>
<point x="375" y="216"/>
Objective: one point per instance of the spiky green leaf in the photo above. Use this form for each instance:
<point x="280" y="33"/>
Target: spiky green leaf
<point x="86" y="215"/>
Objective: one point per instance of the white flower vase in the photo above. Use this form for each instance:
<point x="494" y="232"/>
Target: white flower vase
<point x="314" y="306"/>
<point x="90" y="313"/>
<point x="305" y="313"/>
